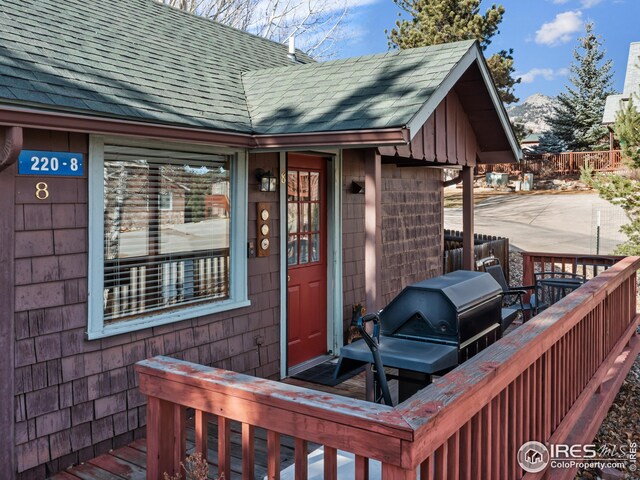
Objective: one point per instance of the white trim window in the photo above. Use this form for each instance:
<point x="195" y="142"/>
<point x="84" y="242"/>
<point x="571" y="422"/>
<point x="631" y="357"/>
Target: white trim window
<point x="165" y="223"/>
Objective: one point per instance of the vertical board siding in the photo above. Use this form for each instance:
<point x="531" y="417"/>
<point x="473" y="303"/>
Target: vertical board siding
<point x="447" y="137"/>
<point x="77" y="398"/>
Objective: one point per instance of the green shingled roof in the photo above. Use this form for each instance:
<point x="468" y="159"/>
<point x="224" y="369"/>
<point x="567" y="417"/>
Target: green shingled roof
<point x="141" y="60"/>
<point x="136" y="59"/>
<point x="373" y="91"/>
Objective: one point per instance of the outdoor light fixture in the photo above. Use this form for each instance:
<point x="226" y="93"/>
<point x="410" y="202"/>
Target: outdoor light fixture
<point x="357" y="187"/>
<point x="267" y="181"/>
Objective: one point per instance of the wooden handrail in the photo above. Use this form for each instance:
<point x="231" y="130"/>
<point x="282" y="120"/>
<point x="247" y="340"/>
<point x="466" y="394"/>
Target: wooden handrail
<point x="531" y="385"/>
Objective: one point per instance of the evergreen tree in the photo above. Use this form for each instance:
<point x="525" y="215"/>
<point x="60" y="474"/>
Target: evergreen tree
<point x="521" y="130"/>
<point x="441" y="21"/>
<point x="627" y="130"/>
<point x="577" y="119"/>
<point x="550" y="143"/>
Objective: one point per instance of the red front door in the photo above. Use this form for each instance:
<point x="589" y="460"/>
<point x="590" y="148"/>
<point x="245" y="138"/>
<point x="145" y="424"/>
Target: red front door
<point x="306" y="258"/>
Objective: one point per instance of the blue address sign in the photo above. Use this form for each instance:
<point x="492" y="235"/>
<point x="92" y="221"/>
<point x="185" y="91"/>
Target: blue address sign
<point x="62" y="164"/>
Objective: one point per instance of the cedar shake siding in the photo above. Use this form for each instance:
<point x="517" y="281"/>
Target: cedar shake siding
<point x="353" y="280"/>
<point x="74" y="398"/>
<point x="412" y="227"/>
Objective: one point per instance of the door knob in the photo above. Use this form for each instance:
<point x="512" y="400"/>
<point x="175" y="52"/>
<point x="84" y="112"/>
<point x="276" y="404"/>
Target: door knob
<point x="288" y="278"/>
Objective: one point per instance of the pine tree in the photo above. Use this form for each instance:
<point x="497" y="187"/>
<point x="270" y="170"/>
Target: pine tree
<point x="577" y="119"/>
<point x="627" y="130"/>
<point x="550" y="143"/>
<point x="441" y="21"/>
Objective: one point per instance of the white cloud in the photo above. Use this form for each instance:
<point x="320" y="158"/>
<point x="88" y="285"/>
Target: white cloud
<point x="545" y="73"/>
<point x="560" y="2"/>
<point x="590" y="3"/>
<point x="560" y="29"/>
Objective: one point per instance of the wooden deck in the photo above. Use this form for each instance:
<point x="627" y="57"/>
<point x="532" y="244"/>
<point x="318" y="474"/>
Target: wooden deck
<point x="130" y="462"/>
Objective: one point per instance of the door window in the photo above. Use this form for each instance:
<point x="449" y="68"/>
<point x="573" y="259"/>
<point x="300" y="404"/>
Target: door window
<point x="303" y="217"/>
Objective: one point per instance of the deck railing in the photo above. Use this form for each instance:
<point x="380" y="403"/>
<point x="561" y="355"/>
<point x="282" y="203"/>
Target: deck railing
<point x="540" y="383"/>
<point x="564" y="163"/>
<point x="587" y="265"/>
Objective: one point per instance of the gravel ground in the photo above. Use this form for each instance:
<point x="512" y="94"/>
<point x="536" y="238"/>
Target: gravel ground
<point x="622" y="423"/>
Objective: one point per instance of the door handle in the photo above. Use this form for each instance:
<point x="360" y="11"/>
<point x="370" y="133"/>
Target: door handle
<point x="288" y="278"/>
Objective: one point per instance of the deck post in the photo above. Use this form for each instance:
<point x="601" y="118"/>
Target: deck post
<point x="373" y="229"/>
<point x="467" y="218"/>
<point x="161" y="438"/>
<point x="7" y="319"/>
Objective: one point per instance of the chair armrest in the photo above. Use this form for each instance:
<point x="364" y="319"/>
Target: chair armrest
<point x="515" y="292"/>
<point x="559" y="274"/>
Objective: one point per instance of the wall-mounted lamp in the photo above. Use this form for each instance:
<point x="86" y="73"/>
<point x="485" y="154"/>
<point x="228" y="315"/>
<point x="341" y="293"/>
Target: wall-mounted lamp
<point x="357" y="187"/>
<point x="267" y="181"/>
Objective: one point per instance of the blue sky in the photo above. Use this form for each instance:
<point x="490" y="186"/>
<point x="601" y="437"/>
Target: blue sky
<point x="542" y="33"/>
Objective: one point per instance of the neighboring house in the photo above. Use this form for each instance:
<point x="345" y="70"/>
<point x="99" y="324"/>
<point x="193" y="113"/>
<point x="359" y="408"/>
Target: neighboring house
<point x="529" y="143"/>
<point x="133" y="224"/>
<point x="615" y="103"/>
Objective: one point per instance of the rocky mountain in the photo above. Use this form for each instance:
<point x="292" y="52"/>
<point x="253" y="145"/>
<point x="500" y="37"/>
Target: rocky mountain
<point x="532" y="112"/>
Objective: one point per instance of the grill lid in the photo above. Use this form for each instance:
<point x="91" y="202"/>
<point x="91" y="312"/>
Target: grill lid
<point x="438" y="302"/>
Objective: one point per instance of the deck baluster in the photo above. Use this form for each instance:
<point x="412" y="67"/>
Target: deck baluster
<point x="224" y="447"/>
<point x="273" y="451"/>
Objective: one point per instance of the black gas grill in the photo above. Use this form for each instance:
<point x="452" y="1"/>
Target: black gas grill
<point x="462" y="309"/>
<point x="432" y="326"/>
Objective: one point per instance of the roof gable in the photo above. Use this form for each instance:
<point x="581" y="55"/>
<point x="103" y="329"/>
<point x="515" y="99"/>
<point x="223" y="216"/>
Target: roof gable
<point x="615" y="103"/>
<point x="373" y="91"/>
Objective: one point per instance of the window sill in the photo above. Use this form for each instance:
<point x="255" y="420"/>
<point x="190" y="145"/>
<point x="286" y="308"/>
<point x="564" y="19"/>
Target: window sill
<point x="158" y="319"/>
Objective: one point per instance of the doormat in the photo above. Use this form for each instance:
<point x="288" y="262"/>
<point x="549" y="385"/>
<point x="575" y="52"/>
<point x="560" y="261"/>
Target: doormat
<point x="323" y="374"/>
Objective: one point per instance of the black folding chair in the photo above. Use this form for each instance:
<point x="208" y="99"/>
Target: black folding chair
<point x="512" y="297"/>
<point x="554" y="286"/>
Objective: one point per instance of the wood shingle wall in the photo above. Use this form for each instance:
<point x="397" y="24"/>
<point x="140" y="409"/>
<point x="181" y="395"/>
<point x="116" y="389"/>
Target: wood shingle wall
<point x="353" y="280"/>
<point x="412" y="227"/>
<point x="74" y="398"/>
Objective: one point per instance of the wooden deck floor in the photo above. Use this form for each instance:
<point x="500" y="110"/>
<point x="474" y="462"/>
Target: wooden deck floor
<point x="130" y="462"/>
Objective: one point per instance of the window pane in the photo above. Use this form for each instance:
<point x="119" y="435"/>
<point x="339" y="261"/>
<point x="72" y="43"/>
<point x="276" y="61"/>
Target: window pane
<point x="315" y="217"/>
<point x="292" y="186"/>
<point x="292" y="218"/>
<point x="304" y="217"/>
<point x="315" y="186"/>
<point x="304" y="186"/>
<point x="167" y="230"/>
<point x="292" y="250"/>
<point x="315" y="247"/>
<point x="304" y="249"/>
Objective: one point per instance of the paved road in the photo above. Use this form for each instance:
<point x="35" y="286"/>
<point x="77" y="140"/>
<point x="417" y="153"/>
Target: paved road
<point x="546" y="223"/>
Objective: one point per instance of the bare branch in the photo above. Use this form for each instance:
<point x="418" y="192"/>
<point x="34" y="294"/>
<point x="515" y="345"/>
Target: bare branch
<point x="317" y="24"/>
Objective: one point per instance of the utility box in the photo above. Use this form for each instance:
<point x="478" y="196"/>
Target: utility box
<point x="528" y="182"/>
<point x="497" y="179"/>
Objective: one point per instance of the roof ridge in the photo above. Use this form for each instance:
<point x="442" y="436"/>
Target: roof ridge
<point x="223" y="25"/>
<point x="372" y="56"/>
